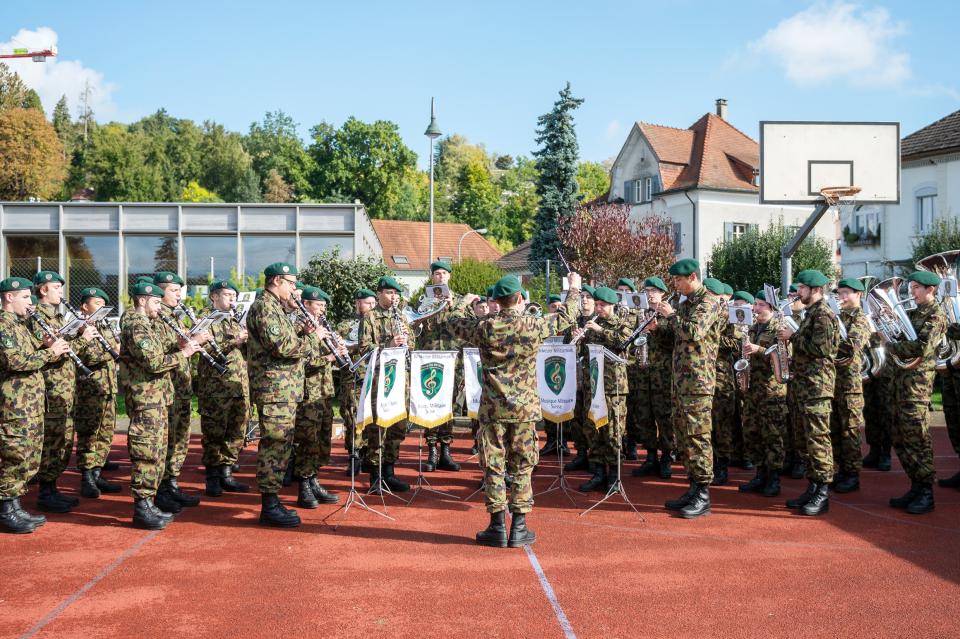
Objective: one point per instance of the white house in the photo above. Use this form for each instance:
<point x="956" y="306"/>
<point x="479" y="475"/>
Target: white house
<point x="703" y="178"/>
<point x="881" y="237"/>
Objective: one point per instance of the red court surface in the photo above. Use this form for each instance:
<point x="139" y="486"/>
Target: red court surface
<point x="751" y="569"/>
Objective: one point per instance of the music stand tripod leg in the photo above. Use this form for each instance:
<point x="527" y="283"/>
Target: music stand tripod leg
<point x="354" y="497"/>
<point x="559" y="482"/>
<point x="617" y="488"/>
<point x="422" y="483"/>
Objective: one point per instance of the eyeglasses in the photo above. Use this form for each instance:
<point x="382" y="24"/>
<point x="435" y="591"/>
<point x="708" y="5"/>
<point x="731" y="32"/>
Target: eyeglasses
<point x="289" y="281"/>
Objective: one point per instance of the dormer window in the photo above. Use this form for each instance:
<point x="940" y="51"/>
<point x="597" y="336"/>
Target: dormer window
<point x="400" y="259"/>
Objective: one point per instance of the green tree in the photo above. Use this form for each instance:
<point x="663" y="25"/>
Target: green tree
<point x="367" y="162"/>
<point x="557" y="187"/>
<point x="473" y="276"/>
<point x="519" y="200"/>
<point x="753" y="259"/>
<point x="341" y="278"/>
<point x="193" y="192"/>
<point x="225" y="166"/>
<point x="64" y="127"/>
<point x="274" y="144"/>
<point x="944" y="236"/>
<point x="172" y="146"/>
<point x="476" y="200"/>
<point x="13" y="92"/>
<point x="593" y="180"/>
<point x="452" y="154"/>
<point x="31" y="156"/>
<point x="32" y="101"/>
<point x="115" y="166"/>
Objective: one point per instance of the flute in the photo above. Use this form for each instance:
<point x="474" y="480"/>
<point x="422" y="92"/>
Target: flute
<point x="49" y="330"/>
<point x="100" y="338"/>
<point x="217" y="366"/>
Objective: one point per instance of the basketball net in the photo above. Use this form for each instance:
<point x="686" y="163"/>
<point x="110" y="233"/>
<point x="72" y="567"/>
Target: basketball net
<point x="837" y="196"/>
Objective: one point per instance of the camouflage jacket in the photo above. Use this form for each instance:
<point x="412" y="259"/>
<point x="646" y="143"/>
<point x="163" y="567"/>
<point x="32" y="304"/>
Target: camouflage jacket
<point x="930" y="323"/>
<point x="763" y="384"/>
<point x="318" y="370"/>
<point x="508" y="343"/>
<point x="815" y="346"/>
<point x="614" y="331"/>
<point x="731" y="342"/>
<point x="22" y="391"/>
<point x="275" y="353"/>
<point x="179" y="376"/>
<point x="59" y="375"/>
<point x="145" y="363"/>
<point x="696" y="330"/>
<point x="435" y="335"/>
<point x="212" y="387"/>
<point x="95" y="357"/>
<point x="376" y="329"/>
<point x="343" y="330"/>
<point x="852" y="348"/>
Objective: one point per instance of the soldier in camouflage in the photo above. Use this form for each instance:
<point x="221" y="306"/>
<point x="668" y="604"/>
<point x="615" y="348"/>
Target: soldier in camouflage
<point x="554" y="444"/>
<point x="723" y="410"/>
<point x="912" y="386"/>
<point x="275" y="362"/>
<point x="950" y="383"/>
<point x="224" y="399"/>
<point x="481" y="309"/>
<point x="846" y="420"/>
<point x="509" y="408"/>
<point x="21" y="403"/>
<point x="878" y="419"/>
<point x="349" y="330"/>
<point x="796" y="444"/>
<point x="696" y="329"/>
<point x="580" y="428"/>
<point x="144" y="366"/>
<point x="815" y="346"/>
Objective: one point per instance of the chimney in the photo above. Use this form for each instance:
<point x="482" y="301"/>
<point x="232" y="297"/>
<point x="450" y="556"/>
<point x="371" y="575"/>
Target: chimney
<point x="722" y="108"/>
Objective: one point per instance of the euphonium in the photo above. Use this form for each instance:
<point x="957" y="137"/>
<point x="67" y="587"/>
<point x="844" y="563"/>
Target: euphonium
<point x="887" y="313"/>
<point x="534" y="309"/>
<point x="944" y="264"/>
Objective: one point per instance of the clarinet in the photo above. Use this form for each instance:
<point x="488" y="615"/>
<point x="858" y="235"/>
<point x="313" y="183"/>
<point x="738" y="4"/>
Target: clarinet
<point x="342" y="362"/>
<point x="217" y="366"/>
<point x="100" y="338"/>
<point x="193" y="320"/>
<point x="46" y="328"/>
<point x="337" y="342"/>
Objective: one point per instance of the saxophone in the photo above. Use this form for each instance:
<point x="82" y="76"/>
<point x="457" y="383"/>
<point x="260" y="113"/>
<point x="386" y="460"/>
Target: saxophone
<point x="779" y="355"/>
<point x="741" y="367"/>
<point x="398" y="326"/>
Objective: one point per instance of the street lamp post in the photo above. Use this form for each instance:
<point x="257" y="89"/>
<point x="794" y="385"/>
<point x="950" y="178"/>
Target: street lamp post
<point x="460" y="243"/>
<point x="432" y="132"/>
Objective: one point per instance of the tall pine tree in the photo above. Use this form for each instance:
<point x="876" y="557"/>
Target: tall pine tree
<point x="557" y="186"/>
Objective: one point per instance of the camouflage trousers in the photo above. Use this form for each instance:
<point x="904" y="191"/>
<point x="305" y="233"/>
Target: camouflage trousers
<point x="795" y="440"/>
<point x="178" y="435"/>
<point x="649" y="404"/>
<point x="442" y="433"/>
<point x="878" y="413"/>
<point x="94" y="419"/>
<point x="508" y="447"/>
<point x="386" y="441"/>
<point x="722" y="415"/>
<point x="57" y="446"/>
<point x="692" y="427"/>
<point x="577" y="429"/>
<point x="737" y="443"/>
<point x="764" y="429"/>
<point x="147" y="445"/>
<point x="223" y="428"/>
<point x="845" y="423"/>
<point x="312" y="435"/>
<point x="605" y="442"/>
<point x="21" y="441"/>
<point x="814" y="416"/>
<point x="353" y="438"/>
<point x="951" y="406"/>
<point x="276" y="444"/>
<point x="911" y="432"/>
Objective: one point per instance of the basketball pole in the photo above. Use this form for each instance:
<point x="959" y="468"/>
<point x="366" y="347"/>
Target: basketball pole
<point x="786" y="253"/>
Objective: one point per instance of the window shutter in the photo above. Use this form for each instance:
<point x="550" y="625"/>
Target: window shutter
<point x="657" y="185"/>
<point x="727" y="231"/>
<point x="753" y="227"/>
<point x="627" y="191"/>
<point x="677" y="239"/>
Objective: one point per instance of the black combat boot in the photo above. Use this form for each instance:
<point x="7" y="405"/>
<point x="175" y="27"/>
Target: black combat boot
<point x="683" y="500"/>
<point x="323" y="495"/>
<point x="799" y="469"/>
<point x="145" y="517"/>
<point x="376" y="482"/>
<point x="613" y="476"/>
<point x="721" y="473"/>
<point x="666" y="465"/>
<point x="272" y="513"/>
<point x="165" y="500"/>
<point x="819" y="502"/>
<point x="229" y="482"/>
<point x="847" y="484"/>
<point x="392" y="482"/>
<point x="772" y="488"/>
<point x="598" y="481"/>
<point x="182" y="498"/>
<point x="111" y="465"/>
<point x="650" y="465"/>
<point x="907" y="498"/>
<point x="923" y="502"/>
<point x="156" y="511"/>
<point x="47" y="500"/>
<point x="306" y="498"/>
<point x="213" y="487"/>
<point x="756" y="484"/>
<point x="104" y="485"/>
<point x="446" y="461"/>
<point x="871" y="459"/>
<point x="430" y="464"/>
<point x="494" y="534"/>
<point x="12" y="521"/>
<point x="353" y="466"/>
<point x="38" y="520"/>
<point x="804" y="497"/>
<point x="67" y="499"/>
<point x="235" y="467"/>
<point x="550" y="447"/>
<point x="630" y="449"/>
<point x="520" y="535"/>
<point x="579" y="462"/>
<point x="88" y="484"/>
<point x="950" y="482"/>
<point x="884" y="463"/>
<point x="747" y="464"/>
<point x="699" y="504"/>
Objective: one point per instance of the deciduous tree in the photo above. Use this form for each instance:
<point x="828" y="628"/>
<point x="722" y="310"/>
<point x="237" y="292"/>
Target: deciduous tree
<point x="31" y="156"/>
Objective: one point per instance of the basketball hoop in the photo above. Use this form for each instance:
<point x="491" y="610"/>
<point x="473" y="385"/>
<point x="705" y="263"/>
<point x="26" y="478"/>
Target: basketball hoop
<point x="834" y="195"/>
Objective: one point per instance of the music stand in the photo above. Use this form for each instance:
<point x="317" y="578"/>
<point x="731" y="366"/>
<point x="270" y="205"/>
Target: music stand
<point x="354" y="497"/>
<point x="560" y="480"/>
<point x="617" y="487"/>
<point x="422" y="482"/>
<point x="384" y="489"/>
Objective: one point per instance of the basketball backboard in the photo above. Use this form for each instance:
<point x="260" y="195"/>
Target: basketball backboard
<point x="797" y="159"/>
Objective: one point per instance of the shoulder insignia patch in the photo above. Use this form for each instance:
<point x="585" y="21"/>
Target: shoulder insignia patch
<point x="143" y="343"/>
<point x="274" y="330"/>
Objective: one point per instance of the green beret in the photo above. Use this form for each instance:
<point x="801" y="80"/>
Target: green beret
<point x="851" y="283"/>
<point x="745" y="296"/>
<point x="628" y="282"/>
<point x="143" y="289"/>
<point x="279" y="268"/>
<point x="480" y="299"/>
<point x="167" y="277"/>
<point x="685" y="267"/>
<point x="812" y="278"/>
<point x="794" y="287"/>
<point x="606" y="294"/>
<point x="364" y="293"/>
<point x="46" y="277"/>
<point x="924" y="278"/>
<point x="713" y="285"/>
<point x="15" y="284"/>
<point x="655" y="282"/>
<point x="554" y="298"/>
<point x="34" y="300"/>
<point x="92" y="291"/>
<point x="312" y="293"/>
<point x="589" y="290"/>
<point x="220" y="285"/>
<point x="388" y="282"/>
<point x="489" y="292"/>
<point x="143" y="279"/>
<point x="507" y="285"/>
<point x="727" y="289"/>
<point x="441" y="264"/>
<point x="258" y="292"/>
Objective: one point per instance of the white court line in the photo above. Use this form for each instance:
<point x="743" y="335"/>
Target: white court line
<point x="551" y="596"/>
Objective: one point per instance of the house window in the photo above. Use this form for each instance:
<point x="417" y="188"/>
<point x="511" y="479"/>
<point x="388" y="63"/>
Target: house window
<point x="867" y="221"/>
<point x="677" y="238"/>
<point x="445" y="258"/>
<point x="736" y="230"/>
<point x="926" y="212"/>
<point x="400" y="259"/>
<point x="647" y="189"/>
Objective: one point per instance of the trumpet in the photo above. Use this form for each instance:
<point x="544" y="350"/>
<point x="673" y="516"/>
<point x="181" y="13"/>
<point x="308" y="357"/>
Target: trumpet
<point x="52" y="333"/>
<point x="100" y="339"/>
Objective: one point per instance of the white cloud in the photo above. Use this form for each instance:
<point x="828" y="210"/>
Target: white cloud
<point x="613" y="129"/>
<point x="57" y="77"/>
<point x="838" y="41"/>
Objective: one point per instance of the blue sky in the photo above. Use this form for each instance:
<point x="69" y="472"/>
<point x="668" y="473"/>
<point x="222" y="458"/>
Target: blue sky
<point x="495" y="66"/>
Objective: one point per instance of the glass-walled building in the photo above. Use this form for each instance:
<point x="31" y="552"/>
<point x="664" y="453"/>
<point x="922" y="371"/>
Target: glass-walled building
<point x="108" y="245"/>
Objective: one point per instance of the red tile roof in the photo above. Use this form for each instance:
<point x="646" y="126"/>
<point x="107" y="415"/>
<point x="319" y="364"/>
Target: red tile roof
<point x="943" y="136"/>
<point x="412" y="240"/>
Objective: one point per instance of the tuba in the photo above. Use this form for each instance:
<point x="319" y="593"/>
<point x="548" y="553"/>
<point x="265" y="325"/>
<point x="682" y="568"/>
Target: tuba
<point x="890" y="318"/>
<point x="945" y="265"/>
<point x="534" y="309"/>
